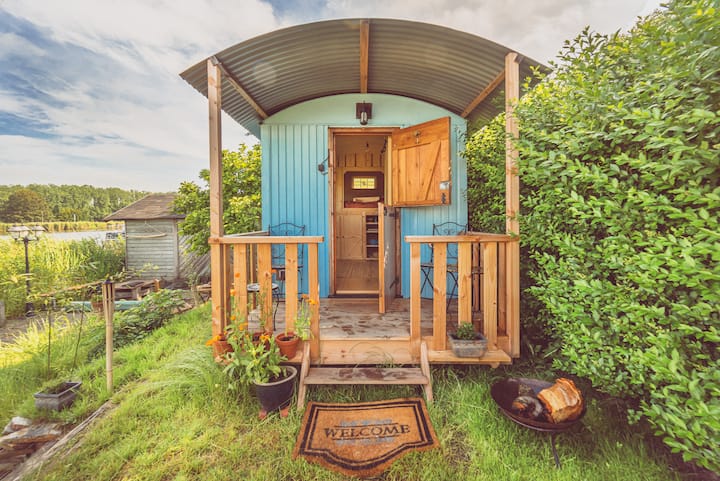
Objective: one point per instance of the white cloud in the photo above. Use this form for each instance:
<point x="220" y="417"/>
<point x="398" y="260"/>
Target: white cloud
<point x="118" y="112"/>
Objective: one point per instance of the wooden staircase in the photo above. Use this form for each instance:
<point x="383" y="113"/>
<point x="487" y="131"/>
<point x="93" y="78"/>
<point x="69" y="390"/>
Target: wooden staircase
<point x="364" y="375"/>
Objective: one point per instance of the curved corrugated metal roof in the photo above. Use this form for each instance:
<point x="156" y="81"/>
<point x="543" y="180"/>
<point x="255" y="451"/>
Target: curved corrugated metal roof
<point x="435" y="64"/>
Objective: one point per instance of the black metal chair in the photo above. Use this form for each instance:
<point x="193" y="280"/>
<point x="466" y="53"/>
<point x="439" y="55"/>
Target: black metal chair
<point x="286" y="229"/>
<point x="444" y="229"/>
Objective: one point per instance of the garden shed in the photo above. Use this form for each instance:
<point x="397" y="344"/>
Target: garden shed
<point x="362" y="122"/>
<point x="151" y="237"/>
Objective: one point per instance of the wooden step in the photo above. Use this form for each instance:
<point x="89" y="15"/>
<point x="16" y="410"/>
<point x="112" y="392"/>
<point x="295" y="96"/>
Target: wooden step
<point x="366" y="375"/>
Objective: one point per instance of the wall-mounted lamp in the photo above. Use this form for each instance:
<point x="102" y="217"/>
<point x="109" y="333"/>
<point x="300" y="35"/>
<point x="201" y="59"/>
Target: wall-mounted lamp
<point x="363" y="111"/>
<point x="322" y="166"/>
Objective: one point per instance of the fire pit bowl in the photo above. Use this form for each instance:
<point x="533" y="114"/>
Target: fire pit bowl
<point x="504" y="393"/>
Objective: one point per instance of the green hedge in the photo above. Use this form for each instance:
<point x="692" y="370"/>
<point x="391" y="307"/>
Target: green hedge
<point x="621" y="172"/>
<point x="620" y="213"/>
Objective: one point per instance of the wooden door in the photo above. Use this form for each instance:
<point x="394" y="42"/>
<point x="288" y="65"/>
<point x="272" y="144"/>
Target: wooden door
<point x="349" y="243"/>
<point x="387" y="257"/>
<point x="421" y="164"/>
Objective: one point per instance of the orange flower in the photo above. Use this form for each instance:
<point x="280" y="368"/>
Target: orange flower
<point x="264" y="338"/>
<point x="212" y="340"/>
<point x="305" y="296"/>
<point x="232" y="292"/>
<point x="232" y="317"/>
<point x="312" y="302"/>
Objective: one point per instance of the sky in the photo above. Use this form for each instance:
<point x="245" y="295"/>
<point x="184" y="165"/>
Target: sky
<point x="90" y="91"/>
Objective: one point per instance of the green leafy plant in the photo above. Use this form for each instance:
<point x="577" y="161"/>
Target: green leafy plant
<point x="302" y="320"/>
<point x="253" y="360"/>
<point x="152" y="312"/>
<point x="620" y="195"/>
<point x="465" y="331"/>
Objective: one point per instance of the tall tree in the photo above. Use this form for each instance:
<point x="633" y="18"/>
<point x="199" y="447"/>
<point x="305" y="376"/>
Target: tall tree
<point x="24" y="205"/>
<point x="241" y="198"/>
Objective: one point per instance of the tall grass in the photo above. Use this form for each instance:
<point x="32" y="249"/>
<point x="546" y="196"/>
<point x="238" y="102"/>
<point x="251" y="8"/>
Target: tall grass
<point x="176" y="419"/>
<point x="54" y="265"/>
<point x="52" y="348"/>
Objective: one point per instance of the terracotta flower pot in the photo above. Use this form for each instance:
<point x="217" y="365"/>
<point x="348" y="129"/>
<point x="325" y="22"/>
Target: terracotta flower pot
<point x="220" y="348"/>
<point x="288" y="344"/>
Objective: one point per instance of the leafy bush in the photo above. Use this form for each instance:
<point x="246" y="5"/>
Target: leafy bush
<point x="621" y="173"/>
<point x="485" y="154"/>
<point x="151" y="313"/>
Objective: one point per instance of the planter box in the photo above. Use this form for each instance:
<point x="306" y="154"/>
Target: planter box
<point x="63" y="397"/>
<point x="468" y="348"/>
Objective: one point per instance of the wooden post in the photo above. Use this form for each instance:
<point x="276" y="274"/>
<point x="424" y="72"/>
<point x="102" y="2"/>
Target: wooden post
<point x="265" y="281"/>
<point x="415" y="299"/>
<point x="240" y="282"/>
<point x="512" y="202"/>
<point x="489" y="287"/>
<point x="291" y="285"/>
<point x="440" y="296"/>
<point x="314" y="294"/>
<point x="108" y="294"/>
<point x="218" y="260"/>
<point x="464" y="282"/>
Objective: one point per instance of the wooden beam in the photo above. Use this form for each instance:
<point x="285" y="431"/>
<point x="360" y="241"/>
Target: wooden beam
<point x="240" y="282"/>
<point x="489" y="288"/>
<point x="464" y="282"/>
<point x="415" y="300"/>
<point x="265" y="302"/>
<point x="439" y="296"/>
<point x="217" y="251"/>
<point x="512" y="202"/>
<point x="364" y="55"/>
<point x="291" y="286"/>
<point x="314" y="293"/>
<point x="239" y="88"/>
<point x="484" y="94"/>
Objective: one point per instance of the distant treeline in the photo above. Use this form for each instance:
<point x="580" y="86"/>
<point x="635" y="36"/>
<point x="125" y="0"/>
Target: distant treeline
<point x="69" y="226"/>
<point x="54" y="203"/>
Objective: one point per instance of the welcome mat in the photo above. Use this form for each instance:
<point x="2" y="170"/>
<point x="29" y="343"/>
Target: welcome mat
<point x="364" y="439"/>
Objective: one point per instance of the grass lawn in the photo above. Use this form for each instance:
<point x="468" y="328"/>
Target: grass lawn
<point x="175" y="419"/>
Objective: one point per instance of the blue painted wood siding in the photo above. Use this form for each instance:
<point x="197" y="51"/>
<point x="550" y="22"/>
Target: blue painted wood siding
<point x="295" y="141"/>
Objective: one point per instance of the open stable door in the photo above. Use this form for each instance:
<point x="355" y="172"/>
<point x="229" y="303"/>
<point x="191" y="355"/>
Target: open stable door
<point x="386" y="264"/>
<point x="421" y="164"/>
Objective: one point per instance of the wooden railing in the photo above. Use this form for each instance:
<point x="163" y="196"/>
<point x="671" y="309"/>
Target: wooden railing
<point x="246" y="259"/>
<point x="487" y="287"/>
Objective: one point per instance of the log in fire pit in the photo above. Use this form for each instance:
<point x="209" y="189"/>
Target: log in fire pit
<point x="538" y="405"/>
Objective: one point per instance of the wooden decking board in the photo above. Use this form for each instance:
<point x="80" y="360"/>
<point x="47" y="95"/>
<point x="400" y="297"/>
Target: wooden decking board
<point x="365" y="375"/>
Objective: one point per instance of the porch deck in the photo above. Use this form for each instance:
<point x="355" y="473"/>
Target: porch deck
<point x="354" y="332"/>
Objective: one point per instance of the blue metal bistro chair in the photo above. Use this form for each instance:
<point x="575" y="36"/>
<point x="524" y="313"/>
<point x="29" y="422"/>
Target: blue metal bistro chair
<point x="444" y="229"/>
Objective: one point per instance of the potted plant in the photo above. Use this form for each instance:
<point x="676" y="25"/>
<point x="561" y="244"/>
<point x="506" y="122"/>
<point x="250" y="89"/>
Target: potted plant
<point x="465" y="342"/>
<point x="288" y="341"/>
<point x="259" y="364"/>
<point x="220" y="345"/>
<point x="58" y="396"/>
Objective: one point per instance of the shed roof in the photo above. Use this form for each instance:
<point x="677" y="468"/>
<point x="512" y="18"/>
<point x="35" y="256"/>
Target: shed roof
<point x="439" y="65"/>
<point x="153" y="206"/>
